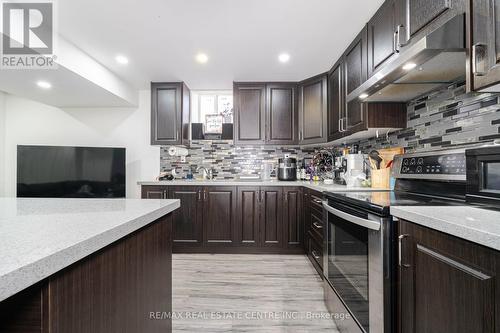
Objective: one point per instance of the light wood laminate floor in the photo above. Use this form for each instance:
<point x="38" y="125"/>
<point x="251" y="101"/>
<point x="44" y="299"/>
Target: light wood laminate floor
<point x="234" y="293"/>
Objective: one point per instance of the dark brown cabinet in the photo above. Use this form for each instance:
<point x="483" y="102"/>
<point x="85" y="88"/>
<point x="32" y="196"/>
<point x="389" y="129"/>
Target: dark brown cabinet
<point x="219" y="215"/>
<point x="271" y="221"/>
<point x="265" y="113"/>
<point x="188" y="219"/>
<point x="313" y="107"/>
<point x="336" y="107"/>
<point x="384" y="35"/>
<point x="169" y="113"/>
<point x="446" y="284"/>
<point x="248" y="215"/>
<point x="422" y="12"/>
<point x="484" y="39"/>
<point x="249" y="113"/>
<point x="154" y="192"/>
<point x="281" y="113"/>
<point x="313" y="228"/>
<point x="292" y="217"/>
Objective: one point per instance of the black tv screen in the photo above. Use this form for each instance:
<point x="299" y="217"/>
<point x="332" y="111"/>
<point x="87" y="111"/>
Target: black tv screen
<point x="70" y="172"/>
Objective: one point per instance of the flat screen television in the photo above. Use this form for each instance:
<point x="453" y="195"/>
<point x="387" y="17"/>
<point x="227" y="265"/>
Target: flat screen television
<point x="70" y="172"/>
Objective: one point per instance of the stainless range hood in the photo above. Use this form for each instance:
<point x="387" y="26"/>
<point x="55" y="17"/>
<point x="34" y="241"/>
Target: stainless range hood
<point x="435" y="60"/>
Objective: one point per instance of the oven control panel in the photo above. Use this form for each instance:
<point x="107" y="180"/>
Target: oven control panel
<point x="448" y="164"/>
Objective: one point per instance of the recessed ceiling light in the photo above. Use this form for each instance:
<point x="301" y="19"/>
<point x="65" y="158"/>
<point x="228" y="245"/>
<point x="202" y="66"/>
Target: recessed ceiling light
<point x="202" y="58"/>
<point x="284" y="57"/>
<point x="409" y="66"/>
<point x="122" y="60"/>
<point x="44" y="84"/>
<point x="363" y="96"/>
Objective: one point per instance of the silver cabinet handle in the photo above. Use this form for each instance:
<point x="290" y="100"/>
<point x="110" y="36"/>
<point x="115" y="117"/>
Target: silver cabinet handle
<point x="478" y="56"/>
<point x="315" y="255"/>
<point x="340" y="124"/>
<point x="395" y="41"/>
<point x="318" y="201"/>
<point x="398" y="43"/>
<point x="199" y="195"/>
<point x="164" y="194"/>
<point x="317" y="225"/>
<point x="369" y="224"/>
<point x="400" y="250"/>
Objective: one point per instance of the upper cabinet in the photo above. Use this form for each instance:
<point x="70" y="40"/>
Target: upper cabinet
<point x="484" y="43"/>
<point x="385" y="34"/>
<point x="422" y="12"/>
<point x="336" y="96"/>
<point x="281" y="113"/>
<point x="355" y="62"/>
<point x="265" y="113"/>
<point x="313" y="110"/>
<point x="169" y="113"/>
<point x="249" y="113"/>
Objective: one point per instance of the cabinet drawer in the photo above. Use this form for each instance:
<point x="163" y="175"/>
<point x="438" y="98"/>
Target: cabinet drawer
<point x="316" y="228"/>
<point x="315" y="254"/>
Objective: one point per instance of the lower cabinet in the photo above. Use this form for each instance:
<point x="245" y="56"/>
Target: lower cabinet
<point x="188" y="220"/>
<point x="313" y="228"/>
<point x="230" y="219"/>
<point x="446" y="284"/>
<point x="219" y="215"/>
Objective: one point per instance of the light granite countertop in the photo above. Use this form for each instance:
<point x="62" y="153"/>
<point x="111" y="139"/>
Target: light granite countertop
<point x="475" y="224"/>
<point x="39" y="237"/>
<point x="318" y="186"/>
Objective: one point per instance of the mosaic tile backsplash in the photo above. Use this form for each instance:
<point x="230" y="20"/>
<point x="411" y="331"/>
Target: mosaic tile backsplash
<point x="227" y="160"/>
<point x="445" y="118"/>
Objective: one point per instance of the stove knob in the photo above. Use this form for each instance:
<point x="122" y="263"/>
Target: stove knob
<point x="412" y="162"/>
<point x="420" y="161"/>
<point x="419" y="169"/>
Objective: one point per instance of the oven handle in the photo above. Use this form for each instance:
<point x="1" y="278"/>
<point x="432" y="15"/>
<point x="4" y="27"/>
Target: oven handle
<point x="369" y="224"/>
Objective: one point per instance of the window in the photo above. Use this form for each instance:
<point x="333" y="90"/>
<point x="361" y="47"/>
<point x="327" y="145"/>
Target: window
<point x="207" y="105"/>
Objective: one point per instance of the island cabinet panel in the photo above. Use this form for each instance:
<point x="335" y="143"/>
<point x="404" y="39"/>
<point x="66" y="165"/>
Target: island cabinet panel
<point x="113" y="290"/>
<point x="271" y="223"/>
<point x="154" y="192"/>
<point x="248" y="215"/>
<point x="219" y="217"/>
<point x="188" y="219"/>
<point x="293" y="228"/>
<point x="446" y="284"/>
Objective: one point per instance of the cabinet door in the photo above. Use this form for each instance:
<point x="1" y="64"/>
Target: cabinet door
<point x="335" y="103"/>
<point x="166" y="113"/>
<point x="219" y="215"/>
<point x="313" y="110"/>
<point x="355" y="117"/>
<point x="250" y="116"/>
<point x="248" y="215"/>
<point x="484" y="34"/>
<point x="282" y="116"/>
<point x="293" y="234"/>
<point x="423" y="12"/>
<point x="382" y="36"/>
<point x="154" y="192"/>
<point x="271" y="216"/>
<point x="187" y="220"/>
<point x="355" y="66"/>
<point x="446" y="284"/>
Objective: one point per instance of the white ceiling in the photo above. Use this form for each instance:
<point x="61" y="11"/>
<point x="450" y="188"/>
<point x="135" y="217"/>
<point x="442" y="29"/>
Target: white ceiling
<point x="242" y="38"/>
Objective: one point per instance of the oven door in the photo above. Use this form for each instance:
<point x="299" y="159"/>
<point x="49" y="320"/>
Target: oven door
<point x="354" y="266"/>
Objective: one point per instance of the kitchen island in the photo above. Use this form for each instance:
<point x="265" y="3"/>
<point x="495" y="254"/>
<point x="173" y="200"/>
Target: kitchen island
<point x="85" y="265"/>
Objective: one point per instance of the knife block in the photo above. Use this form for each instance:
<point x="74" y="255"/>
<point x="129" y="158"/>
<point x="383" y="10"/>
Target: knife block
<point x="381" y="178"/>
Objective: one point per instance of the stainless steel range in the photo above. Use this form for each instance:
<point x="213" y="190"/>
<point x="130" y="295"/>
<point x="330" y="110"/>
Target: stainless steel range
<point x="360" y="237"/>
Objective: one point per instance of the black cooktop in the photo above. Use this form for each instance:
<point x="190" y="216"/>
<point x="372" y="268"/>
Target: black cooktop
<point x="379" y="202"/>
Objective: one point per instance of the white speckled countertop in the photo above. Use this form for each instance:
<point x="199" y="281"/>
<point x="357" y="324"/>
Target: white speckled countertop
<point x="39" y="237"/>
<point x="478" y="225"/>
<point x="318" y="186"/>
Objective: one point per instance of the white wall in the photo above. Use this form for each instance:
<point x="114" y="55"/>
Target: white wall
<point x="2" y="144"/>
<point x="30" y="122"/>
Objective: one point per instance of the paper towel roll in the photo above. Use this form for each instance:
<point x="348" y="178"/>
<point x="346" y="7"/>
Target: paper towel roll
<point x="177" y="151"/>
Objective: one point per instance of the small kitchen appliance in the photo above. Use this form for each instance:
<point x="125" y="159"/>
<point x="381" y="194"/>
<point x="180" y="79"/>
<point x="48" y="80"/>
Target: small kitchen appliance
<point x="287" y="169"/>
<point x="483" y="175"/>
<point x="355" y="169"/>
